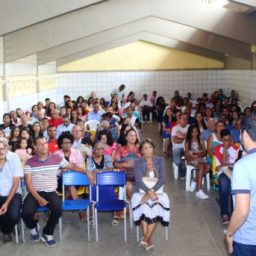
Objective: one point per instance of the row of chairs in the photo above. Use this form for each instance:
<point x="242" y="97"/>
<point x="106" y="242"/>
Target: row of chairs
<point x="102" y="202"/>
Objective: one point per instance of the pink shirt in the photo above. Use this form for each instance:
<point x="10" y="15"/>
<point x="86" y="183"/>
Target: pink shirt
<point x="74" y="158"/>
<point x="109" y="150"/>
<point x="125" y="150"/>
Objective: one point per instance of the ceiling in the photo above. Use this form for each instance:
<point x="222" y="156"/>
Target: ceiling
<point x="66" y="32"/>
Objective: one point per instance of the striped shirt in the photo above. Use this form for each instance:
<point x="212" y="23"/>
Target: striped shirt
<point x="44" y="173"/>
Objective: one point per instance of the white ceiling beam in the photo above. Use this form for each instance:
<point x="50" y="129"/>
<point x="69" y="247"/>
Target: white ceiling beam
<point x="145" y="36"/>
<point x="156" y="26"/>
<point x="17" y="14"/>
<point x="117" y="13"/>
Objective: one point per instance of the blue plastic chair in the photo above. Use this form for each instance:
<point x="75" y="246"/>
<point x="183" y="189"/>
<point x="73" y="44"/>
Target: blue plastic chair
<point x="73" y="178"/>
<point x="109" y="201"/>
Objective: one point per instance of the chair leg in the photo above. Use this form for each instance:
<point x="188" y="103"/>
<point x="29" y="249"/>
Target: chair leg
<point x="125" y="225"/>
<point x="130" y="214"/>
<point x="96" y="224"/>
<point x="166" y="233"/>
<point x="60" y="228"/>
<point x="88" y="223"/>
<point x="137" y="234"/>
<point x="208" y="181"/>
<point x="23" y="230"/>
<point x="16" y="234"/>
<point x="175" y="171"/>
<point x="188" y="177"/>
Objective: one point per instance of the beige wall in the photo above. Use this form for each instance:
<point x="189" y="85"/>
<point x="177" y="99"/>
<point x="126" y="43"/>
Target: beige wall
<point x="141" y="56"/>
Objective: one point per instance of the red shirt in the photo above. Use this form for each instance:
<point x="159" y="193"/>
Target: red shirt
<point x="52" y="146"/>
<point x="55" y="121"/>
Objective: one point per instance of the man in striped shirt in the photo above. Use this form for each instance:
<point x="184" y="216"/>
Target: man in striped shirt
<point x="41" y="180"/>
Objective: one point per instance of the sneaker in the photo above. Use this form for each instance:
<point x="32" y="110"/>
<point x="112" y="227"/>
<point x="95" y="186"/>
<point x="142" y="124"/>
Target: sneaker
<point x="48" y="240"/>
<point x="201" y="195"/>
<point x="192" y="186"/>
<point x="183" y="177"/>
<point x="34" y="234"/>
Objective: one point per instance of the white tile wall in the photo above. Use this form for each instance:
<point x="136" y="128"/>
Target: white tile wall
<point x="165" y="82"/>
<point x="244" y="81"/>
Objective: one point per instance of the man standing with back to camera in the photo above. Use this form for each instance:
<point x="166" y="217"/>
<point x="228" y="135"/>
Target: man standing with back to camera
<point x="241" y="232"/>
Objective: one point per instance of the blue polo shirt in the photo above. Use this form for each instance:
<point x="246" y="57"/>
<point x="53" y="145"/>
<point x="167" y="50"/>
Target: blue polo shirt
<point x="244" y="182"/>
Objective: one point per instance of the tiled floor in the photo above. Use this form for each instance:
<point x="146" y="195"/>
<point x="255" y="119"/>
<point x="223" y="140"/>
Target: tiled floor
<point x="195" y="228"/>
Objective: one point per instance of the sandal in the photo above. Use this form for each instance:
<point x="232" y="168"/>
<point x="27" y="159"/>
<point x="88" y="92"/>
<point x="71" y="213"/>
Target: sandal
<point x="143" y="244"/>
<point x="115" y="220"/>
<point x="150" y="248"/>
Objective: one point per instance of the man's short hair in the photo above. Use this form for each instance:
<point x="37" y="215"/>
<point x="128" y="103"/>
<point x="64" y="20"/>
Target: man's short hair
<point x="65" y="116"/>
<point x="39" y="138"/>
<point x="249" y="125"/>
<point x="224" y="133"/>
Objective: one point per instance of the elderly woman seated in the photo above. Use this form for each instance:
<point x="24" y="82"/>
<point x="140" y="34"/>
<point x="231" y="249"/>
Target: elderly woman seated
<point x="150" y="204"/>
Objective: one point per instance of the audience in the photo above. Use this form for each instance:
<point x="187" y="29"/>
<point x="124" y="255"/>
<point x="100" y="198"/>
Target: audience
<point x="205" y="127"/>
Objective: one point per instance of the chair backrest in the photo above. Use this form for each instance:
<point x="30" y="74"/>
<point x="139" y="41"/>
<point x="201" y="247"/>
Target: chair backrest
<point x="93" y="124"/>
<point x="111" y="178"/>
<point x="75" y="178"/>
<point x="108" y="181"/>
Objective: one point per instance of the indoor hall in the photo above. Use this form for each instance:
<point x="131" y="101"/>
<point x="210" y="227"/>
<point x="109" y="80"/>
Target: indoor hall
<point x="49" y="49"/>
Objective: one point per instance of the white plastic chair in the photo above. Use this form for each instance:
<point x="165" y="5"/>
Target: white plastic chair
<point x="189" y="170"/>
<point x="175" y="170"/>
<point x="166" y="228"/>
<point x="93" y="124"/>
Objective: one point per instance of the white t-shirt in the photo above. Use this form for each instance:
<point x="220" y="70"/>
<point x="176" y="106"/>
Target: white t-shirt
<point x="175" y="131"/>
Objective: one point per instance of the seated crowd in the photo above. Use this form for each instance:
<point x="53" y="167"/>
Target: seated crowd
<point x="87" y="136"/>
<point x="90" y="136"/>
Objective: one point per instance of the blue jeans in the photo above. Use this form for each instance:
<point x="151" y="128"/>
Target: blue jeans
<point x="243" y="249"/>
<point x="12" y="216"/>
<point x="224" y="192"/>
<point x="176" y="156"/>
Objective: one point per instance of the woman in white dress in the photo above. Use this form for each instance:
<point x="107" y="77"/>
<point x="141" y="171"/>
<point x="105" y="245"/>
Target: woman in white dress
<point x="150" y="204"/>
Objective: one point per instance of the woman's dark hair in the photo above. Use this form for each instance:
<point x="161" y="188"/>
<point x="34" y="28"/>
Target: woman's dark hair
<point x="127" y="132"/>
<point x="65" y="135"/>
<point x="189" y="136"/>
<point x="103" y="102"/>
<point x="30" y="139"/>
<point x="33" y="132"/>
<point x="203" y="123"/>
<point x="19" y="143"/>
<point x="79" y="100"/>
<point x="71" y="117"/>
<point x="12" y="132"/>
<point x="160" y="98"/>
<point x="121" y="139"/>
<point x="219" y="122"/>
<point x="83" y="110"/>
<point x="147" y="140"/>
<point x="166" y="118"/>
<point x="33" y="107"/>
<point x="108" y="134"/>
<point x="49" y="110"/>
<point x="253" y="103"/>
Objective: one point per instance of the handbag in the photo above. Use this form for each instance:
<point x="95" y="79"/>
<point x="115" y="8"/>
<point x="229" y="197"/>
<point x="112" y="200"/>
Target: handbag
<point x="150" y="183"/>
